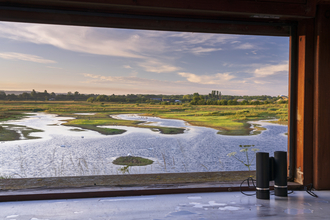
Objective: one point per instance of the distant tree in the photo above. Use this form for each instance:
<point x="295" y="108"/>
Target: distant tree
<point x="223" y="102"/>
<point x="244" y="102"/>
<point x="201" y="102"/>
<point x="91" y="99"/>
<point x="187" y="97"/>
<point x="282" y="102"/>
<point x="25" y="96"/>
<point x="232" y="102"/>
<point x="255" y="103"/>
<point x="34" y="94"/>
<point x="2" y="95"/>
<point x="102" y="98"/>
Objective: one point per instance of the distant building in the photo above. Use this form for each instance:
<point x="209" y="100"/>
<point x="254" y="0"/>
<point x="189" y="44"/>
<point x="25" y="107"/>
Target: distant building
<point x="52" y="99"/>
<point x="283" y="97"/>
<point x="177" y="101"/>
<point x="166" y="100"/>
<point x="240" y="100"/>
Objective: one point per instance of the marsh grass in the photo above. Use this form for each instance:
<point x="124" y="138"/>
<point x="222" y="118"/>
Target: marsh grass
<point x="132" y="161"/>
<point x="9" y="132"/>
<point x="229" y="120"/>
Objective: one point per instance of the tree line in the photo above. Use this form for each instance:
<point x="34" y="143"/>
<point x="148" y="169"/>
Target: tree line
<point x="213" y="98"/>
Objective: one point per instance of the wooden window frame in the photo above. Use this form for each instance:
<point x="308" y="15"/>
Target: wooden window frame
<point x="305" y="71"/>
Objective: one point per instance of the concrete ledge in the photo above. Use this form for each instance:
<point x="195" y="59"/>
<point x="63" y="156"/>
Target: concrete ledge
<point x="124" y="185"/>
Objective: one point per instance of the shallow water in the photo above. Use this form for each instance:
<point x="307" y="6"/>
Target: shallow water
<point x="63" y="152"/>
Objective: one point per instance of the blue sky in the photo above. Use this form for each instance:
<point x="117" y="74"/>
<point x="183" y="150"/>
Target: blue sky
<point x="120" y="61"/>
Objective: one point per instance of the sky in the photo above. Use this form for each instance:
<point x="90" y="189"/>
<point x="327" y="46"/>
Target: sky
<point x="109" y="61"/>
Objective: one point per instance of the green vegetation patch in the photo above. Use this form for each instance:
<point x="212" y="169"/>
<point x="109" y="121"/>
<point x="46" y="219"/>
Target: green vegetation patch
<point x="105" y="131"/>
<point x="77" y="129"/>
<point x="8" y="135"/>
<point x="7" y="115"/>
<point x="10" y="132"/>
<point x="92" y="121"/>
<point x="165" y="130"/>
<point x="132" y="161"/>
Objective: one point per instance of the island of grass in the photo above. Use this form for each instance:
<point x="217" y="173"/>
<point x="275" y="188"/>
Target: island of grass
<point x="101" y="130"/>
<point x="94" y="122"/>
<point x="9" y="132"/>
<point x="132" y="161"/>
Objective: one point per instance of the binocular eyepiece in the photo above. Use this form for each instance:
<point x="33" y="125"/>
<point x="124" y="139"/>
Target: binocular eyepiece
<point x="269" y="169"/>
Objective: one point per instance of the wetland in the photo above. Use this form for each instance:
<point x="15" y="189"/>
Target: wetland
<point x="80" y="138"/>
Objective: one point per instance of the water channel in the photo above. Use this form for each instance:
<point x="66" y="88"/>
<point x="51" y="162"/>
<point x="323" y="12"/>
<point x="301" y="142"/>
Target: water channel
<point x="67" y="151"/>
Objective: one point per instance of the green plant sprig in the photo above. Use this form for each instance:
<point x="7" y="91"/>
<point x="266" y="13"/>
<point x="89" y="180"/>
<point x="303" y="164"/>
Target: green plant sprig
<point x="245" y="149"/>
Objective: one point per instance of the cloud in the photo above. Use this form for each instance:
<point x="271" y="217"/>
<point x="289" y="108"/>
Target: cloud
<point x="54" y="67"/>
<point x="246" y="46"/>
<point x="156" y="66"/>
<point x="134" y="73"/>
<point x="199" y="38"/>
<point x="24" y="57"/>
<point x="127" y="67"/>
<point x="201" y="50"/>
<point x="108" y="42"/>
<point x="218" y="78"/>
<point x="268" y="70"/>
<point x="118" y="79"/>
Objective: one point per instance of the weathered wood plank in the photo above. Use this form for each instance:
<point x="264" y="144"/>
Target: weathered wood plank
<point x="124" y="180"/>
<point x="321" y="100"/>
<point x="304" y="135"/>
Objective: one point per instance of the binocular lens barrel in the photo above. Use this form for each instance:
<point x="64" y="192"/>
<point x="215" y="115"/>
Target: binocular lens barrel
<point x="281" y="184"/>
<point x="262" y="162"/>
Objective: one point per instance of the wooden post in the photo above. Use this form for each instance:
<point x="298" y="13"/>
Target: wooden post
<point x="304" y="116"/>
<point x="321" y="152"/>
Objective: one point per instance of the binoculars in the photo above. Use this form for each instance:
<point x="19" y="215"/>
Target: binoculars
<point x="269" y="169"/>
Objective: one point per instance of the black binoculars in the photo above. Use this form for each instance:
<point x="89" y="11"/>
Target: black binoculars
<point x="269" y="169"/>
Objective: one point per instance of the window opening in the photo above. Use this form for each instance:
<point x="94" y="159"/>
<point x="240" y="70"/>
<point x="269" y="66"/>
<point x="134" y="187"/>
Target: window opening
<point x="103" y="101"/>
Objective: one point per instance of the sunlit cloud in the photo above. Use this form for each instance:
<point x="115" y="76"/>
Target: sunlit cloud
<point x="127" y="67"/>
<point x="24" y="57"/>
<point x="79" y="39"/>
<point x="198" y="38"/>
<point x="218" y="78"/>
<point x="245" y="46"/>
<point x="156" y="66"/>
<point x="94" y="78"/>
<point x="201" y="50"/>
<point x="268" y="70"/>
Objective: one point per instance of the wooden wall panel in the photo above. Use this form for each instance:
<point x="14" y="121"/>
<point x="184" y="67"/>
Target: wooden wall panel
<point x="304" y="120"/>
<point x="322" y="99"/>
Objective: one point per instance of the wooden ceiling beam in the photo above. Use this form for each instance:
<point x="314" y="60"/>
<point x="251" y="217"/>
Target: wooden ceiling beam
<point x="262" y="9"/>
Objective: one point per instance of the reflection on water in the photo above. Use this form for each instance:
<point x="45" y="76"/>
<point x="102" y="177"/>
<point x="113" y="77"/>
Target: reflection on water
<point x="63" y="151"/>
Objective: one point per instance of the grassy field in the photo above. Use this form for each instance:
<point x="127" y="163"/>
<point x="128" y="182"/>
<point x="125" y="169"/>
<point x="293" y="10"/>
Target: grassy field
<point x="229" y="120"/>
